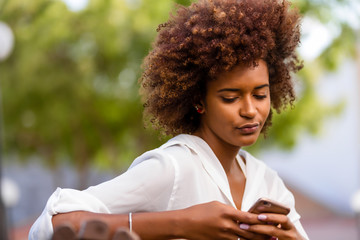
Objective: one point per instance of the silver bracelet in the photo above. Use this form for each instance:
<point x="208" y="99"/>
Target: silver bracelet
<point x="130" y="221"/>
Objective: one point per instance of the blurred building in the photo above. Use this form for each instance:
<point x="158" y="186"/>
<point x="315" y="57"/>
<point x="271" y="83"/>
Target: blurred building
<point x="326" y="167"/>
<point x="320" y="222"/>
<point x="324" y="171"/>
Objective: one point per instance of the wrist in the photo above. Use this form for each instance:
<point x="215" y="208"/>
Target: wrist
<point x="180" y="222"/>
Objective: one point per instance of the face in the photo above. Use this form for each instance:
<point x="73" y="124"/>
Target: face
<point x="236" y="106"/>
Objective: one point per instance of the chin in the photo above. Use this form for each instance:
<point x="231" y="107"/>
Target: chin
<point x="249" y="142"/>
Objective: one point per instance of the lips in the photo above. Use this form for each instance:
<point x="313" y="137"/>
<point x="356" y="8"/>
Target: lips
<point x="249" y="128"/>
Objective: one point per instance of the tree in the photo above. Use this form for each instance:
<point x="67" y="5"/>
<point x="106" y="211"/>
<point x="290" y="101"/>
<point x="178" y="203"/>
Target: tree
<point x="70" y="89"/>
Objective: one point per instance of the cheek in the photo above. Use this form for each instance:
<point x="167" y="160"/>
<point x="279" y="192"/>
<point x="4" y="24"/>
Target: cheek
<point x="265" y="110"/>
<point x="221" y="115"/>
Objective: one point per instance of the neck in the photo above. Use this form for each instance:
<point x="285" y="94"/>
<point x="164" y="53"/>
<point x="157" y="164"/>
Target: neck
<point x="225" y="152"/>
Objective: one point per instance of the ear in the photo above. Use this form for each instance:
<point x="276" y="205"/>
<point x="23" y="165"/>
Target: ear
<point x="202" y="104"/>
<point x="200" y="107"/>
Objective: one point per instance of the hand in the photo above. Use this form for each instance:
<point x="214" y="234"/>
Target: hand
<point x="284" y="229"/>
<point x="215" y="220"/>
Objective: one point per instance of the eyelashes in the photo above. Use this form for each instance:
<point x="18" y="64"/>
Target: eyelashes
<point x="233" y="99"/>
<point x="260" y="96"/>
<point x="228" y="100"/>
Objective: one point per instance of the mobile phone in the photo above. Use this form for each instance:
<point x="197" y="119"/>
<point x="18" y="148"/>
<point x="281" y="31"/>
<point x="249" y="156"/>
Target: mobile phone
<point x="265" y="205"/>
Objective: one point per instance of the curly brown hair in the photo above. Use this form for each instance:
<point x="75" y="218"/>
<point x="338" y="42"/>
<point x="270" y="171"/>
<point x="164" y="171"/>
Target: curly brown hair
<point x="212" y="36"/>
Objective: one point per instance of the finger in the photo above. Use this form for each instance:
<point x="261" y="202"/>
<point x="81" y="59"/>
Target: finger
<point x="271" y="230"/>
<point x="283" y="220"/>
<point x="242" y="222"/>
<point x="241" y="230"/>
<point x="246" y="217"/>
<point x="267" y="230"/>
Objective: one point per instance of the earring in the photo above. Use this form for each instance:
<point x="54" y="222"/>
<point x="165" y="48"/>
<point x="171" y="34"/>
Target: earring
<point x="198" y="109"/>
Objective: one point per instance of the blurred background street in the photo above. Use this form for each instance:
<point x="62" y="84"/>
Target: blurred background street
<point x="71" y="115"/>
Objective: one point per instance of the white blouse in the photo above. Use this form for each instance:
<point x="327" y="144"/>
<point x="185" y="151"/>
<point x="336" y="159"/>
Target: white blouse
<point x="181" y="173"/>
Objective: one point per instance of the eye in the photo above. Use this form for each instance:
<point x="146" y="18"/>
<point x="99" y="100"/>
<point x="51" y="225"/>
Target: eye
<point x="228" y="99"/>
<point x="259" y="96"/>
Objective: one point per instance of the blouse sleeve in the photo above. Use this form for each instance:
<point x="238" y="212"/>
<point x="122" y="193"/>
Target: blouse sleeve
<point x="138" y="189"/>
<point x="285" y="196"/>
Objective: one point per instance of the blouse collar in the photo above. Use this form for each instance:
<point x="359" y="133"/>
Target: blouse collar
<point x="210" y="162"/>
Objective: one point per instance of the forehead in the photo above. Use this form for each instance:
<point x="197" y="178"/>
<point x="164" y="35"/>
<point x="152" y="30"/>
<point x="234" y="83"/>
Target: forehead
<point x="242" y="77"/>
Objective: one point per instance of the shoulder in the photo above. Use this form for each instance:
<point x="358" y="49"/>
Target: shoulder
<point x="261" y="174"/>
<point x="276" y="185"/>
<point x="176" y="149"/>
<point x="257" y="169"/>
<point x="254" y="163"/>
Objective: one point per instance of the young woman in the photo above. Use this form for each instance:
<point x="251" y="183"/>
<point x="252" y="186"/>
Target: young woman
<point x="216" y="70"/>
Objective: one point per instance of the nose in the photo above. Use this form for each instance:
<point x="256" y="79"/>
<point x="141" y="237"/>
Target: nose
<point x="247" y="108"/>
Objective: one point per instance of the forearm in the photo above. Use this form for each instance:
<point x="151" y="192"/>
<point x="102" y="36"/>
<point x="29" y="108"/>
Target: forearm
<point x="155" y="225"/>
<point x="159" y="225"/>
<point x="213" y="220"/>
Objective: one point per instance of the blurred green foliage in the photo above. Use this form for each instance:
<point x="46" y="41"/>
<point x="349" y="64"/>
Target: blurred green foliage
<point x="70" y="90"/>
<point x="310" y="111"/>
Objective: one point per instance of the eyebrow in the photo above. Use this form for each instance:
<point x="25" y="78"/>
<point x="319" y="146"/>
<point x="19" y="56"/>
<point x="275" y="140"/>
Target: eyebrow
<point x="262" y="86"/>
<point x="237" y="89"/>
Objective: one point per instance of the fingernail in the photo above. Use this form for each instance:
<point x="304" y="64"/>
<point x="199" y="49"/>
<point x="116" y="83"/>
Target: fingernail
<point x="262" y="217"/>
<point x="273" y="238"/>
<point x="244" y="226"/>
